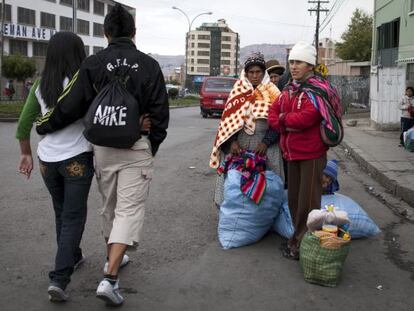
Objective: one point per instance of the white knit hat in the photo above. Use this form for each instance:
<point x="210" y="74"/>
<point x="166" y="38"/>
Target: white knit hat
<point x="304" y="52"/>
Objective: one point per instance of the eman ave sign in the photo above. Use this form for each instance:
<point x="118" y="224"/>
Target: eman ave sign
<point x="28" y="32"/>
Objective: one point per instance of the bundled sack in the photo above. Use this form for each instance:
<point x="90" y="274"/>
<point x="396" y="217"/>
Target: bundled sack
<point x="241" y="220"/>
<point x="362" y="226"/>
<point x="317" y="216"/>
<point x="322" y="265"/>
<point x="409" y="139"/>
<point x="283" y="224"/>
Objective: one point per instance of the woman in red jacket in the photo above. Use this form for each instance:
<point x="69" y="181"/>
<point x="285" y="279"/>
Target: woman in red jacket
<point x="297" y="115"/>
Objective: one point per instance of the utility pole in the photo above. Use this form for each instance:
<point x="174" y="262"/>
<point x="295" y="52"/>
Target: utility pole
<point x="3" y="16"/>
<point x="74" y="16"/>
<point x="318" y="9"/>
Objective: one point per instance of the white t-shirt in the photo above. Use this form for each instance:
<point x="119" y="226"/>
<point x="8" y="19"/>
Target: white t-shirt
<point x="63" y="144"/>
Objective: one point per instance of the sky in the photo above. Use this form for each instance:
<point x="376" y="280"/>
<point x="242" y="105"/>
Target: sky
<point x="161" y="29"/>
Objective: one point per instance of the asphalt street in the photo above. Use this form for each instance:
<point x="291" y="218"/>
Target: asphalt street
<point x="180" y="264"/>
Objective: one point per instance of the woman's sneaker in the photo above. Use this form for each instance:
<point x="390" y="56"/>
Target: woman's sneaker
<point x="124" y="262"/>
<point x="57" y="294"/>
<point x="109" y="292"/>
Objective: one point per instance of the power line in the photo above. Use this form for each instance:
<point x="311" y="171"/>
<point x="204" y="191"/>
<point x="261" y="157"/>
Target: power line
<point x="318" y="10"/>
<point x="332" y="9"/>
<point x="333" y="14"/>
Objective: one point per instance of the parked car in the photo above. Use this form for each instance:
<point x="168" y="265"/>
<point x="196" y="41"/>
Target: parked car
<point x="213" y="95"/>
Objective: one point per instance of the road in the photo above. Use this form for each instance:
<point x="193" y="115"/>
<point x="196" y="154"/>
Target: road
<point x="179" y="264"/>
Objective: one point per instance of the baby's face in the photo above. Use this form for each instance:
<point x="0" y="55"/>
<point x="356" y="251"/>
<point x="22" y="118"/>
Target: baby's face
<point x="326" y="181"/>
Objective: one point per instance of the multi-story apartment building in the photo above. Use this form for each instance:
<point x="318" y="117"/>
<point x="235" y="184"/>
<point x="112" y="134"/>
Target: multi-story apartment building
<point x="213" y="49"/>
<point x="392" y="62"/>
<point x="29" y="24"/>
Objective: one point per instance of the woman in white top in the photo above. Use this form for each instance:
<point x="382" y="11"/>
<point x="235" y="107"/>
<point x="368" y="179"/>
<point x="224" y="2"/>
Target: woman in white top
<point x="407" y="120"/>
<point x="65" y="157"/>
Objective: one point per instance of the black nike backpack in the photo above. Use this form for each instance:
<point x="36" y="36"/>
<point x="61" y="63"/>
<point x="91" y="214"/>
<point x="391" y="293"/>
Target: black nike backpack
<point x="113" y="116"/>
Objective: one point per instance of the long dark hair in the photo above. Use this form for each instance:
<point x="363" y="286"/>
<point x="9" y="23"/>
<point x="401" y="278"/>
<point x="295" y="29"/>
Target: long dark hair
<point x="119" y="23"/>
<point x="64" y="56"/>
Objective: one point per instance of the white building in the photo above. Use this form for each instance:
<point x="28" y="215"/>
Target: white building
<point x="213" y="50"/>
<point x="29" y="24"/>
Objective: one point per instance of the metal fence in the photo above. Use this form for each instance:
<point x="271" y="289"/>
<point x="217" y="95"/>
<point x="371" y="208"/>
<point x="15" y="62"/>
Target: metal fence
<point x="353" y="90"/>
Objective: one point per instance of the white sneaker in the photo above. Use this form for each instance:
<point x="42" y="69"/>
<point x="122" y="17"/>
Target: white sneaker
<point x="56" y="294"/>
<point x="109" y="293"/>
<point x="124" y="262"/>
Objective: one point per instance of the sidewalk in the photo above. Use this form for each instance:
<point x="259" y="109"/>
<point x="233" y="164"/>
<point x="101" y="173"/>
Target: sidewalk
<point x="379" y="154"/>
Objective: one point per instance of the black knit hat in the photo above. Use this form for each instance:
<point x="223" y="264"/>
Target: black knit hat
<point x="255" y="59"/>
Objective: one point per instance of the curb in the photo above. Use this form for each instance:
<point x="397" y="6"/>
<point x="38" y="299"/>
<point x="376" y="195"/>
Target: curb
<point x="9" y="119"/>
<point x="379" y="172"/>
<point x="5" y="119"/>
<point x="184" y="106"/>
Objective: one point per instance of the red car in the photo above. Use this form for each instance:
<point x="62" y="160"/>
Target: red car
<point x="213" y="94"/>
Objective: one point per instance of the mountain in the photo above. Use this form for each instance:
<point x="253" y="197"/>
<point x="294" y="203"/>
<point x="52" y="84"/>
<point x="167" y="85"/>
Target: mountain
<point x="270" y="51"/>
<point x="168" y="62"/>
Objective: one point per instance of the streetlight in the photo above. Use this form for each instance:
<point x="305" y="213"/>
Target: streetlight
<point x="190" y="23"/>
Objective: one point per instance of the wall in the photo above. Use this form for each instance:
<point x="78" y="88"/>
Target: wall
<point x="352" y="89"/>
<point x="386" y="91"/>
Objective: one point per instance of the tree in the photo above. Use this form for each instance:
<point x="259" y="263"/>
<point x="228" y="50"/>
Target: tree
<point x="18" y="67"/>
<point x="357" y="39"/>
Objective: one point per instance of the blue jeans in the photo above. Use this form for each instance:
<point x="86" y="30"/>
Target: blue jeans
<point x="68" y="183"/>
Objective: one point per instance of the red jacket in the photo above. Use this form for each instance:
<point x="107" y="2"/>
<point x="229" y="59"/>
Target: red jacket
<point x="299" y="126"/>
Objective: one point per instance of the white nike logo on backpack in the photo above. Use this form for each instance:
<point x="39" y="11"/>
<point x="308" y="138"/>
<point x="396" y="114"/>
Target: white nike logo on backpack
<point x="110" y="116"/>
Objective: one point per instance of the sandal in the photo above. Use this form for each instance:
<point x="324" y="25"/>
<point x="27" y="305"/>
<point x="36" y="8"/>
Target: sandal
<point x="290" y="254"/>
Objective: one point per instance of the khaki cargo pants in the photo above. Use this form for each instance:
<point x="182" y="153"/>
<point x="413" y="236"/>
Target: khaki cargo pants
<point x="123" y="177"/>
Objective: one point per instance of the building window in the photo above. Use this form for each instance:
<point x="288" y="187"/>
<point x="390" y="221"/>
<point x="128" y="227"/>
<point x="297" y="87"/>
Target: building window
<point x="26" y="16"/>
<point x="83" y="27"/>
<point x="98" y="7"/>
<point x="18" y="47"/>
<point x="96" y="49"/>
<point x="226" y="46"/>
<point x="203" y="37"/>
<point x="192" y="60"/>
<point x="66" y="2"/>
<point x="226" y="39"/>
<point x="410" y="73"/>
<point x="98" y="30"/>
<point x="388" y="42"/>
<point x="225" y="62"/>
<point x="7" y="17"/>
<point x="193" y="37"/>
<point x="39" y="49"/>
<point x="83" y="5"/>
<point x="47" y="20"/>
<point x="87" y="50"/>
<point x="203" y="45"/>
<point x="203" y="53"/>
<point x="192" y="52"/>
<point x="65" y="23"/>
<point x="203" y="61"/>
<point x="226" y="54"/>
<point x="51" y="1"/>
<point x="203" y="69"/>
<point x="192" y="69"/>
<point x="192" y="44"/>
